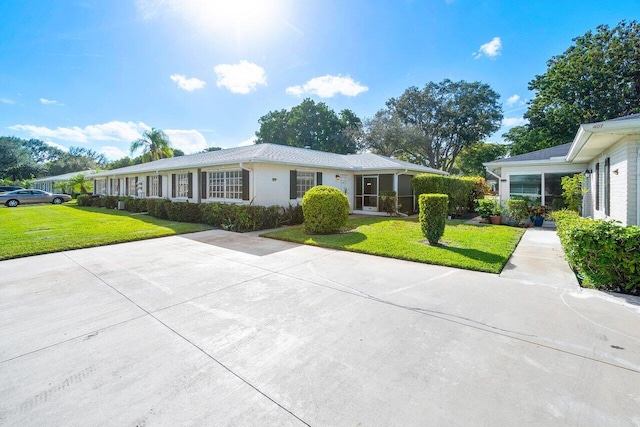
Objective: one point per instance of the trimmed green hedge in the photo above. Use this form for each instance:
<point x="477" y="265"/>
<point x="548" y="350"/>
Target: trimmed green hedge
<point x="461" y="190"/>
<point x="433" y="214"/>
<point x="605" y="254"/>
<point x="325" y="209"/>
<point x="232" y="217"/>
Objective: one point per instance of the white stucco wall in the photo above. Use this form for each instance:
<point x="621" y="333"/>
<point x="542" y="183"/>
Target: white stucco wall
<point x="270" y="183"/>
<point x="623" y="184"/>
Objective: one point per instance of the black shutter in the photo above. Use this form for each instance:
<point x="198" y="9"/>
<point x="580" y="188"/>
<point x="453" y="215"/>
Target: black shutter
<point x="245" y="184"/>
<point x="203" y="185"/>
<point x="173" y="185"/>
<point x="190" y="184"/>
<point x="318" y="178"/>
<point x="95" y="185"/>
<point x="126" y="186"/>
<point x="159" y="185"/>
<point x="597" y="186"/>
<point x="607" y="186"/>
<point x="293" y="190"/>
<point x="146" y="189"/>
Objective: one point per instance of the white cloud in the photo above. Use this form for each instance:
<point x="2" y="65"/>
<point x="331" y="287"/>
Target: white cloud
<point x="7" y="101"/>
<point x="112" y="153"/>
<point x="490" y="49"/>
<point x="240" y="78"/>
<point x="328" y="86"/>
<point x="111" y="131"/>
<point x="58" y="146"/>
<point x="513" y="99"/>
<point x="188" y="84"/>
<point x="46" y="101"/>
<point x="248" y="142"/>
<point x="189" y="141"/>
<point x="514" y="121"/>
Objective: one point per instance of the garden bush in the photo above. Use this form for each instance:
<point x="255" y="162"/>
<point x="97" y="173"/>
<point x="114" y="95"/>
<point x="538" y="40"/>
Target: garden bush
<point x="325" y="210"/>
<point x="433" y="214"/>
<point x="605" y="254"/>
<point x="84" y="200"/>
<point x="388" y="201"/>
<point x="183" y="212"/>
<point x="517" y="210"/>
<point x="158" y="208"/>
<point x="135" y="205"/>
<point x="459" y="189"/>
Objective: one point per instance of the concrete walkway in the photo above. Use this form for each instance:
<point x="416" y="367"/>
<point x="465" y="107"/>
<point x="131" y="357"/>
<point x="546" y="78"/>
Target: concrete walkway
<point x="217" y="328"/>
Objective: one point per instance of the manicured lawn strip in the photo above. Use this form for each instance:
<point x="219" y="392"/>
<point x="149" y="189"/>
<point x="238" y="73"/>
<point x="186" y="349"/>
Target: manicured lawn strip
<point x="472" y="247"/>
<point x="37" y="229"/>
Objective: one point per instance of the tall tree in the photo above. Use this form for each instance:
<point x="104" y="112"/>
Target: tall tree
<point x="16" y="162"/>
<point x="313" y="125"/>
<point x="450" y="115"/>
<point x="595" y="79"/>
<point x="471" y="158"/>
<point x="155" y="145"/>
<point x="387" y="135"/>
<point x="76" y="160"/>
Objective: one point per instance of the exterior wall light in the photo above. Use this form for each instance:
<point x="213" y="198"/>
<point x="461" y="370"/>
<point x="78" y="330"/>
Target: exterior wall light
<point x="587" y="173"/>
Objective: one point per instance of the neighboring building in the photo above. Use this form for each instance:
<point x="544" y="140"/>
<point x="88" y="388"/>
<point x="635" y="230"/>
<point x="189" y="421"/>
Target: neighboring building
<point x="265" y="174"/>
<point x="48" y="183"/>
<point x="608" y="153"/>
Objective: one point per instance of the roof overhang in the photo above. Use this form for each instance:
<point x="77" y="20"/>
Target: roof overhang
<point x="594" y="138"/>
<point x="544" y="162"/>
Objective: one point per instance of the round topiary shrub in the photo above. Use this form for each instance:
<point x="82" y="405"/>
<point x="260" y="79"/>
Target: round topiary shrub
<point x="433" y="213"/>
<point x="325" y="210"/>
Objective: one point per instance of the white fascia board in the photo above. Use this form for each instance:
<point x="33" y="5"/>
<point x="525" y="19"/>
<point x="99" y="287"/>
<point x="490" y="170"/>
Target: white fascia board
<point x="559" y="161"/>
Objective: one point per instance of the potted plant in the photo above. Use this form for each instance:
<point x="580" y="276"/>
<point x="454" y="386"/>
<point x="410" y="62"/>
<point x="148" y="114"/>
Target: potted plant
<point x="537" y="214"/>
<point x="485" y="208"/>
<point x="496" y="213"/>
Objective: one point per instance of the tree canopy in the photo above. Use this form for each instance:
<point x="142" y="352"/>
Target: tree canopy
<point x="595" y="79"/>
<point x="387" y="135"/>
<point x="312" y="125"/>
<point x="155" y="145"/>
<point x="471" y="158"/>
<point x="450" y="116"/>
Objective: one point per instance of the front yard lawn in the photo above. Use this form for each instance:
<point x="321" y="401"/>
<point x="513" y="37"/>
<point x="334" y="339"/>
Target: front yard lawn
<point x="37" y="229"/>
<point x="472" y="247"/>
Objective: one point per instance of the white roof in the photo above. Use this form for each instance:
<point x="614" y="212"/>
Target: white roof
<point x="66" y="176"/>
<point x="272" y="153"/>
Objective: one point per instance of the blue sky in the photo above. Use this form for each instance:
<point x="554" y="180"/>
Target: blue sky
<point x="95" y="74"/>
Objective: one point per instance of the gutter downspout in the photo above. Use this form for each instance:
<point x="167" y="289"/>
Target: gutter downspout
<point x="638" y="187"/>
<point x="491" y="172"/>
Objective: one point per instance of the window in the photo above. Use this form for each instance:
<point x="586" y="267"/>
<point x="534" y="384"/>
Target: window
<point x="152" y="185"/>
<point x="304" y="182"/>
<point x="100" y="187"/>
<point x="115" y="187"/>
<point x="607" y="186"/>
<point x="224" y="185"/>
<point x="131" y="190"/>
<point x="182" y="185"/>
<point x="529" y="186"/>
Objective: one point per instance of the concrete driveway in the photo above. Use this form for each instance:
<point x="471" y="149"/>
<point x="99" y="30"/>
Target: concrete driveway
<point x="217" y="328"/>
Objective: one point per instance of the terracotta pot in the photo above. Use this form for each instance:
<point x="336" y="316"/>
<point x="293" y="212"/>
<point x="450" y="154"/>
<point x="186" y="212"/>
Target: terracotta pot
<point x="496" y="219"/>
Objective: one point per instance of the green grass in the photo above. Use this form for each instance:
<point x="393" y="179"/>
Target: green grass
<point x="37" y="229"/>
<point x="472" y="247"/>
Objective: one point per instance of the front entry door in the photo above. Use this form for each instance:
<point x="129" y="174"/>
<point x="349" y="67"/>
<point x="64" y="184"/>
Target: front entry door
<point x="370" y="193"/>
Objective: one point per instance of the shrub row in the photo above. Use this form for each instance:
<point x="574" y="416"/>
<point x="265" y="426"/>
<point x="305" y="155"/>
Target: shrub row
<point x="230" y="217"/>
<point x="605" y="254"/>
<point x="462" y="191"/>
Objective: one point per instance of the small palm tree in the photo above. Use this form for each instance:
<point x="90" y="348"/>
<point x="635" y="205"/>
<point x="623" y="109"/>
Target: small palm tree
<point x="81" y="184"/>
<point x="155" y="145"/>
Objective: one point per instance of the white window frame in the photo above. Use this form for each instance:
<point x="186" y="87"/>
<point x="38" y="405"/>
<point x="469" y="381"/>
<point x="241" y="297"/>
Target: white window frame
<point x="153" y="186"/>
<point x="305" y="181"/>
<point x="101" y="186"/>
<point x="224" y="185"/>
<point x="132" y="190"/>
<point x="182" y="185"/>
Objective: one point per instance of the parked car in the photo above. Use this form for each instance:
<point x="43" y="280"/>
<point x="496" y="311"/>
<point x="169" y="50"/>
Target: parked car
<point x="14" y="198"/>
<point x="5" y="188"/>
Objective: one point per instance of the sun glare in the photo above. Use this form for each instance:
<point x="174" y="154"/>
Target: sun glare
<point x="246" y="18"/>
